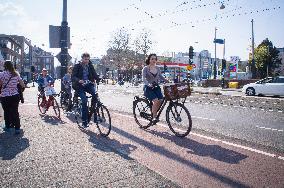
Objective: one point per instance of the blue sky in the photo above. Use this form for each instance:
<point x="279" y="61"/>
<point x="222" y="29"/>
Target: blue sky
<point x="175" y="24"/>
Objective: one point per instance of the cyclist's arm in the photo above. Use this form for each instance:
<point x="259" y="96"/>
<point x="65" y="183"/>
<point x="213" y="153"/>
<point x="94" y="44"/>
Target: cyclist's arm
<point x="161" y="77"/>
<point x="144" y="73"/>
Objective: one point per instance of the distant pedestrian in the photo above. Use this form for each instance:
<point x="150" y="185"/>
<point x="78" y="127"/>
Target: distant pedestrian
<point x="10" y="98"/>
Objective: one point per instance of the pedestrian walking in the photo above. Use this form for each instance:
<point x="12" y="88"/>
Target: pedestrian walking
<point x="10" y="98"/>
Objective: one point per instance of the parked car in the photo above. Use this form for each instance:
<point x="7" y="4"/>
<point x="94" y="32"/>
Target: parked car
<point x="268" y="86"/>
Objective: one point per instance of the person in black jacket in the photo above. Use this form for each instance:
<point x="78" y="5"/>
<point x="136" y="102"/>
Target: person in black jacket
<point x="83" y="79"/>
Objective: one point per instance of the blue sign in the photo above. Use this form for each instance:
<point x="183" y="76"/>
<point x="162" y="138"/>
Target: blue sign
<point x="219" y="41"/>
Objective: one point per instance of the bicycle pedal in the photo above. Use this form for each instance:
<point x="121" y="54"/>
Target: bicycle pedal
<point x="146" y="116"/>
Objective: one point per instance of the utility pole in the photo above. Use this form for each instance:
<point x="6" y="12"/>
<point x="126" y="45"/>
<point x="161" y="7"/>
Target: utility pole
<point x="214" y="65"/>
<point x="64" y="40"/>
<point x="64" y="56"/>
<point x="253" y="69"/>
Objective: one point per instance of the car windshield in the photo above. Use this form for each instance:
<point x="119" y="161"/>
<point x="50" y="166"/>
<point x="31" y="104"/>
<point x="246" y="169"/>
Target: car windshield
<point x="265" y="80"/>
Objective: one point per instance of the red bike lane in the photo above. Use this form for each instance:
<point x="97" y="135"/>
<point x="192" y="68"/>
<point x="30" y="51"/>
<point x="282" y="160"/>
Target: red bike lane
<point x="196" y="160"/>
<point x="193" y="161"/>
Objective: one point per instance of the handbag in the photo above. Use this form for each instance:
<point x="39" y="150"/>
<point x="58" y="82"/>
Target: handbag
<point x="20" y="91"/>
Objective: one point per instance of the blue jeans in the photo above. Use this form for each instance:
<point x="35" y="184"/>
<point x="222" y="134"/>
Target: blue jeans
<point x="89" y="88"/>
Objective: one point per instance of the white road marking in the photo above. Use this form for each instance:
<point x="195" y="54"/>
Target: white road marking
<point x="267" y="128"/>
<point x="217" y="140"/>
<point x="28" y="104"/>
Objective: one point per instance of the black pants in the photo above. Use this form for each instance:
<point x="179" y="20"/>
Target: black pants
<point x="10" y="106"/>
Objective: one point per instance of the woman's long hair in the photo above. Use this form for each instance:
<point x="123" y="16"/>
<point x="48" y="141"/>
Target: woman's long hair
<point x="8" y="66"/>
<point x="149" y="57"/>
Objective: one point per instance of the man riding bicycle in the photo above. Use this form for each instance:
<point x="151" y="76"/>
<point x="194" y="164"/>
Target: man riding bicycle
<point x="83" y="79"/>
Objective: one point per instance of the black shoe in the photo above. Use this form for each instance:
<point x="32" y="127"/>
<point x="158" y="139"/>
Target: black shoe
<point x="155" y="121"/>
<point x="85" y="124"/>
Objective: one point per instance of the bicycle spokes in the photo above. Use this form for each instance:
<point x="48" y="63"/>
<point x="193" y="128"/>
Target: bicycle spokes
<point x="179" y="119"/>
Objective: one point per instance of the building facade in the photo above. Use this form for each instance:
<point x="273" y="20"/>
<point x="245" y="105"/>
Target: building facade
<point x="18" y="49"/>
<point x="43" y="59"/>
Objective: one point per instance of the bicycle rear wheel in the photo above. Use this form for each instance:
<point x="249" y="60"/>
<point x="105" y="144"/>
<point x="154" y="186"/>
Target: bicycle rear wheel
<point x="56" y="108"/>
<point x="142" y="113"/>
<point x="77" y="110"/>
<point x="103" y="120"/>
<point x="179" y="119"/>
<point x="64" y="100"/>
<point x="41" y="104"/>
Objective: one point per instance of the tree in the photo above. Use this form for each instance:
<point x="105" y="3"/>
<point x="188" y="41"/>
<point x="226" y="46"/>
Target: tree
<point x="143" y="43"/>
<point x="119" y="44"/>
<point x="266" y="58"/>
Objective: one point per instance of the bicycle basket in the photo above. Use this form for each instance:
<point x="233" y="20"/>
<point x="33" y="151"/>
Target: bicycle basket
<point x="176" y="91"/>
<point x="49" y="91"/>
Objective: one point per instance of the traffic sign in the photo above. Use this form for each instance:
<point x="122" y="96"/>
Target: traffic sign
<point x="189" y="67"/>
<point x="67" y="56"/>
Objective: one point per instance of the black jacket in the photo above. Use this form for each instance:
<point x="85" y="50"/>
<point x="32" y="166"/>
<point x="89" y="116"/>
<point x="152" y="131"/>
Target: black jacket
<point x="77" y="74"/>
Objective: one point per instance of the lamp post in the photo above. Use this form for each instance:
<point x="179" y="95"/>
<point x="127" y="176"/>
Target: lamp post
<point x="64" y="42"/>
<point x="214" y="65"/>
<point x="253" y="69"/>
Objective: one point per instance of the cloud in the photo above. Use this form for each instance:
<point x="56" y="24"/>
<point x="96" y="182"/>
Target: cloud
<point x="11" y="9"/>
<point x="17" y="21"/>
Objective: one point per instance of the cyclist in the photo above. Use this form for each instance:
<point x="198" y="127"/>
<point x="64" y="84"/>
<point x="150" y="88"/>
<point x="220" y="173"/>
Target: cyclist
<point x="83" y="79"/>
<point x="152" y="76"/>
<point x="66" y="81"/>
<point x="44" y="80"/>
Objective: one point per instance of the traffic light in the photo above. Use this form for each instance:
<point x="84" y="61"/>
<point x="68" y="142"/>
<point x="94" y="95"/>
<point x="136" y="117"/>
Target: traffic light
<point x="165" y="68"/>
<point x="32" y="68"/>
<point x="223" y="64"/>
<point x="191" y="53"/>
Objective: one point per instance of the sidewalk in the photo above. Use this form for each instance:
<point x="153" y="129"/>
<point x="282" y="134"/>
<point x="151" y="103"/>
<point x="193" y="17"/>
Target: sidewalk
<point x="53" y="153"/>
<point x="217" y="91"/>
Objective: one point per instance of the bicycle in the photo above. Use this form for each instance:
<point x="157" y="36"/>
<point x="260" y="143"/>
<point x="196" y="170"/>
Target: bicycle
<point x="65" y="101"/>
<point x="44" y="104"/>
<point x="176" y="111"/>
<point x="103" y="116"/>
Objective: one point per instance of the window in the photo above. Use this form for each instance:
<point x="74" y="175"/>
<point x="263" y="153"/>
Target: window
<point x="279" y="80"/>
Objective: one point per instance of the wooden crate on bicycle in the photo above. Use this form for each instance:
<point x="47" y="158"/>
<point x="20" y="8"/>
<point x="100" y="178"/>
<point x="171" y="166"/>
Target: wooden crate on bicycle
<point x="177" y="90"/>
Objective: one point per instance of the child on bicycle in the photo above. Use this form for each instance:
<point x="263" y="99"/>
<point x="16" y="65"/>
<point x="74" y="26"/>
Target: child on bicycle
<point x="44" y="80"/>
<point x="152" y="76"/>
<point x="67" y="85"/>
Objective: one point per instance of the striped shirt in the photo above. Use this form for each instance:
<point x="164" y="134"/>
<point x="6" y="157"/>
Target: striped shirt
<point x="11" y="88"/>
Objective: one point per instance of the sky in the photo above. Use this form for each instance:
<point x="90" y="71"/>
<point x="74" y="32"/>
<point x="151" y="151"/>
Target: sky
<point x="174" y="24"/>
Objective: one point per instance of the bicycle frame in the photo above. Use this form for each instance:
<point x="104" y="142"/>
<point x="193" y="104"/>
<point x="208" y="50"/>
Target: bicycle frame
<point x="164" y="102"/>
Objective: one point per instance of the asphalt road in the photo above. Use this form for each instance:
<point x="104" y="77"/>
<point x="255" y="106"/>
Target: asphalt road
<point x="255" y="122"/>
<point x="236" y="145"/>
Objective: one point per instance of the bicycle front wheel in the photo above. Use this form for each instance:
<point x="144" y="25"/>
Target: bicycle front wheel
<point x="41" y="104"/>
<point x="179" y="119"/>
<point x="77" y="110"/>
<point x="103" y="120"/>
<point x="56" y="108"/>
<point x="142" y="113"/>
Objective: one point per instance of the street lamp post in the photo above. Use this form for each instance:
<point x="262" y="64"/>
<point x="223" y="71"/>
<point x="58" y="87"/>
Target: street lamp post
<point x="64" y="42"/>
<point x="214" y="66"/>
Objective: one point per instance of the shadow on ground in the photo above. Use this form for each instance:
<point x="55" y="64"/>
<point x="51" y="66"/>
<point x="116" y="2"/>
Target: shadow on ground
<point x="11" y="145"/>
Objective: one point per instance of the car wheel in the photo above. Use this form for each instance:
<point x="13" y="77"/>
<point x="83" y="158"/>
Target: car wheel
<point x="250" y="91"/>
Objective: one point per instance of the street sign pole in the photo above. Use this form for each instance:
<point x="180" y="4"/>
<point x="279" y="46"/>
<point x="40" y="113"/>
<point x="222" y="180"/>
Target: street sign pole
<point x="64" y="41"/>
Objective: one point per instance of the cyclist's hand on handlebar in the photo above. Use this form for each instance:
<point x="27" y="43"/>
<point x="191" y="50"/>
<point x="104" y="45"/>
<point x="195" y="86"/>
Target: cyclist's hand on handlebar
<point x="81" y="81"/>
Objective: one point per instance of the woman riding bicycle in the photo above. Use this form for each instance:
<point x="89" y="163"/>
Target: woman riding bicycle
<point x="152" y="76"/>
